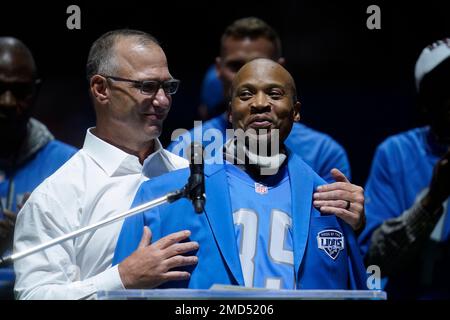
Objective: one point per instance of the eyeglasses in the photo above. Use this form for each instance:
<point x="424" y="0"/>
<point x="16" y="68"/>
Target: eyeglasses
<point x="151" y="87"/>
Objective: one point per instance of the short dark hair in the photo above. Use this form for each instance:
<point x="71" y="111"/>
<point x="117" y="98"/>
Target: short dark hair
<point x="101" y="54"/>
<point x="252" y="27"/>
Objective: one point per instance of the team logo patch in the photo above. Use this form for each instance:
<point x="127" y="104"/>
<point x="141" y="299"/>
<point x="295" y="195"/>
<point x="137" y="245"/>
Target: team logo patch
<point x="330" y="241"/>
<point x="260" y="188"/>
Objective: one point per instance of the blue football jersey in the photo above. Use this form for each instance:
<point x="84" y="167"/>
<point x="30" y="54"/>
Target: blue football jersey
<point x="263" y="227"/>
<point x="324" y="250"/>
<point x="401" y="170"/>
<point x="27" y="177"/>
<point x="24" y="179"/>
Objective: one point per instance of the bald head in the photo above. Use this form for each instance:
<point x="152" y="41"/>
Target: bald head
<point x="260" y="69"/>
<point x="263" y="96"/>
<point x="16" y="61"/>
<point x="17" y="92"/>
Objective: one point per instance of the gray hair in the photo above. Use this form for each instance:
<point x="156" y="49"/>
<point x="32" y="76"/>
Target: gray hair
<point x="102" y="54"/>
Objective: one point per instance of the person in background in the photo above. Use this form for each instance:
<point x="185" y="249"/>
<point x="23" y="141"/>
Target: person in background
<point x="211" y="96"/>
<point x="28" y="151"/>
<point x="408" y="220"/>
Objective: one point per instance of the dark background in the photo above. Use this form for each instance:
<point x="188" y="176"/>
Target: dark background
<point x="355" y="84"/>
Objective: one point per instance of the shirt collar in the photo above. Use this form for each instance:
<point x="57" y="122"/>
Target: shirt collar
<point x="112" y="160"/>
<point x="158" y="149"/>
<point x="158" y="163"/>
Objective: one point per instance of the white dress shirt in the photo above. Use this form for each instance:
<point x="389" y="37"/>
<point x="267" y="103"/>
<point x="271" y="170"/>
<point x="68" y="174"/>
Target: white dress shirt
<point x="99" y="181"/>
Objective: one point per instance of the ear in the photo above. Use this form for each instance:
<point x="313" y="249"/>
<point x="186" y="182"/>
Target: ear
<point x="37" y="84"/>
<point x="219" y="67"/>
<point x="282" y="61"/>
<point x="230" y="116"/>
<point x="297" y="111"/>
<point x="99" y="89"/>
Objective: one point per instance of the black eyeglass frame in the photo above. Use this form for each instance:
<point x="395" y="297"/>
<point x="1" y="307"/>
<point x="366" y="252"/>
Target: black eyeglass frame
<point x="141" y="84"/>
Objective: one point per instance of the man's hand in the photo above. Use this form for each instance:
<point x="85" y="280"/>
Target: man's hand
<point x="439" y="189"/>
<point x="7" y="230"/>
<point x="149" y="266"/>
<point x="343" y="199"/>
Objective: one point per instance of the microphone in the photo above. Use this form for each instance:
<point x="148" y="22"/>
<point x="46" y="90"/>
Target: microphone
<point x="196" y="182"/>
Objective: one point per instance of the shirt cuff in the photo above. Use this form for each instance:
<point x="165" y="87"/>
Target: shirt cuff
<point x="109" y="280"/>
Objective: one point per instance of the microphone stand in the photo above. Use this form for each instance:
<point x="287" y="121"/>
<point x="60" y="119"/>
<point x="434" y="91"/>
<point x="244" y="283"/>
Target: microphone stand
<point x="170" y="197"/>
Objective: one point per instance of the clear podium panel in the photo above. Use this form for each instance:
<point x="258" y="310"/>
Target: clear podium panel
<point x="241" y="293"/>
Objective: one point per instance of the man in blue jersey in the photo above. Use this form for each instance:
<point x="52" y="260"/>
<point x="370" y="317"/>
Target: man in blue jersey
<point x="246" y="39"/>
<point x="28" y="151"/>
<point x="259" y="227"/>
<point x="408" y="223"/>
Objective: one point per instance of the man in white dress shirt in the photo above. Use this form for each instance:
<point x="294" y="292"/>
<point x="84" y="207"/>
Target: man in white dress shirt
<point x="131" y="89"/>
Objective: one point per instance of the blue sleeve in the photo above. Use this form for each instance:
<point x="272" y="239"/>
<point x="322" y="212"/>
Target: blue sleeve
<point x="357" y="271"/>
<point x="177" y="146"/>
<point x="180" y="144"/>
<point x="132" y="231"/>
<point x="53" y="156"/>
<point x="212" y="89"/>
<point x="320" y="151"/>
<point x="382" y="201"/>
<point x="334" y="157"/>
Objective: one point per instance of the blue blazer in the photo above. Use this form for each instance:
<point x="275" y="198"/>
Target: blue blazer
<point x="218" y="255"/>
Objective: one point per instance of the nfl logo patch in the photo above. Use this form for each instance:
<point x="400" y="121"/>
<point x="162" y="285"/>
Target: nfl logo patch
<point x="330" y="241"/>
<point x="260" y="188"/>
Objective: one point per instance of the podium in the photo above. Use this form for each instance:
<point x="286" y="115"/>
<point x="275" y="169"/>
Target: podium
<point x="240" y="293"/>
